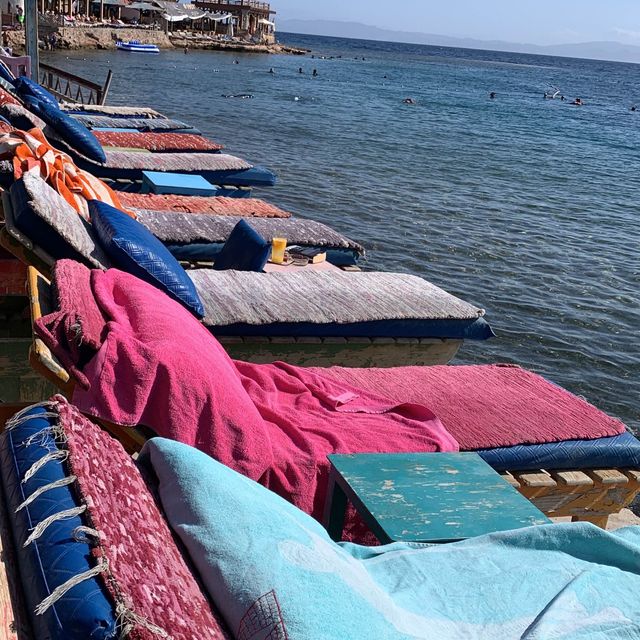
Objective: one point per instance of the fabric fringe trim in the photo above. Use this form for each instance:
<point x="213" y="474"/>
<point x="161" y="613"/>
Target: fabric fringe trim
<point x="63" y="482"/>
<point x="41" y="527"/>
<point x="59" y="591"/>
<point x="128" y="620"/>
<point x="59" y="454"/>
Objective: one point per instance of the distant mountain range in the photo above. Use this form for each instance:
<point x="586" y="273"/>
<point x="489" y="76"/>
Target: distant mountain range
<point x="594" y="50"/>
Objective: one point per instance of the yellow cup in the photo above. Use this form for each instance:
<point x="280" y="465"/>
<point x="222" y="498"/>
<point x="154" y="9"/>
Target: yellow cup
<point x="278" y="245"/>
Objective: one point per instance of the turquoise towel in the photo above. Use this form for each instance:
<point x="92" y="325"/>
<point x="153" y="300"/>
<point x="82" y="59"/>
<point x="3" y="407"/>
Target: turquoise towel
<point x="274" y="573"/>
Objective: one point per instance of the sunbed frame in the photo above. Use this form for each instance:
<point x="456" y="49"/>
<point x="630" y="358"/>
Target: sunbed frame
<point x="309" y="351"/>
<point x="584" y="495"/>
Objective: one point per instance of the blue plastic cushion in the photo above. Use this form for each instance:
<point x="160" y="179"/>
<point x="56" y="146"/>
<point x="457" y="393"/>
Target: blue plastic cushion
<point x="134" y="249"/>
<point x="5" y="73"/>
<point x="72" y="133"/>
<point x="27" y="87"/>
<point x="244" y="250"/>
<point x="601" y="453"/>
<point x="86" y="610"/>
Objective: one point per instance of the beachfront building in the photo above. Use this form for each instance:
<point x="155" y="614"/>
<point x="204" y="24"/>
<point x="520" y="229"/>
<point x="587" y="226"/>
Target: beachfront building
<point x="250" y="17"/>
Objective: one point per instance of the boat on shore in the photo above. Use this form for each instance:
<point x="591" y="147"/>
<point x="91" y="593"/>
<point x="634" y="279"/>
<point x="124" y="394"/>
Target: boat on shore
<point x="136" y="47"/>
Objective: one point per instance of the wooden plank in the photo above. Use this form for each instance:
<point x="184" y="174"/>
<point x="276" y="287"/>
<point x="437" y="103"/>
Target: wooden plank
<point x="14" y="620"/>
<point x="608" y="477"/>
<point x="571" y="478"/>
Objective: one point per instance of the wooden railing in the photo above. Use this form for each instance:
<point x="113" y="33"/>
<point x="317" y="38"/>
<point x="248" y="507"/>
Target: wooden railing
<point x="71" y="88"/>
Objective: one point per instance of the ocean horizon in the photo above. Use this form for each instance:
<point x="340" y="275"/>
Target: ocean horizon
<point x="524" y="206"/>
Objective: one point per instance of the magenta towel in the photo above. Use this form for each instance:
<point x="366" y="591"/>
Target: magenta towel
<point x="488" y="406"/>
<point x="74" y="331"/>
<point x="159" y="367"/>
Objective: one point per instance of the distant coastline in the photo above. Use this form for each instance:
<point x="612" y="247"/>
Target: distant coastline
<point x="610" y="51"/>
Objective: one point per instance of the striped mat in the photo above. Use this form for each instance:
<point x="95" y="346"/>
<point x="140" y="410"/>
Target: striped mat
<point x="323" y="297"/>
<point x="103" y="110"/>
<point x="178" y="162"/>
<point x="182" y="228"/>
<point x="159" y="142"/>
<point x="144" y="124"/>
<point x="219" y="206"/>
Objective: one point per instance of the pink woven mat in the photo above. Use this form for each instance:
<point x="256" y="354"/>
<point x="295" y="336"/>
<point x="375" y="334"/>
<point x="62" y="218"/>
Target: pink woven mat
<point x="488" y="406"/>
<point x="162" y="142"/>
<point x="147" y="576"/>
<point x="220" y="206"/>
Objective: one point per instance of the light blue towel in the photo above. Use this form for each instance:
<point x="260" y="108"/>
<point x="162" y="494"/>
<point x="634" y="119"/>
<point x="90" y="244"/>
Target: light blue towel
<point x="274" y="572"/>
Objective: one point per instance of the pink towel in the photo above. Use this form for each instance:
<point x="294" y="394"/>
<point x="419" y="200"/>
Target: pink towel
<point x="74" y="331"/>
<point x="487" y="406"/>
<point x="160" y="367"/>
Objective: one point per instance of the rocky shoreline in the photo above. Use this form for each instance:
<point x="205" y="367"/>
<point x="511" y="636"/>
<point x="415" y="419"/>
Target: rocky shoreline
<point x="74" y="38"/>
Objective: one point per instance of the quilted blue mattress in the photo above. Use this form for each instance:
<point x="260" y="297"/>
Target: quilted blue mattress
<point x="601" y="453"/>
<point x="85" y="611"/>
<point x="478" y="329"/>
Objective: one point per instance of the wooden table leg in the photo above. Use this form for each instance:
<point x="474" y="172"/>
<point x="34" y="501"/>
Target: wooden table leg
<point x="335" y="507"/>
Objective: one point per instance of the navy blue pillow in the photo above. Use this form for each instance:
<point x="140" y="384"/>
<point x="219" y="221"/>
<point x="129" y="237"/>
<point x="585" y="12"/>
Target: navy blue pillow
<point x="72" y="133"/>
<point x="244" y="250"/>
<point x="27" y="87"/>
<point x="133" y="248"/>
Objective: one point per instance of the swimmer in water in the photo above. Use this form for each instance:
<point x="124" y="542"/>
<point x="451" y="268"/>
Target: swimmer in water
<point x="492" y="95"/>
<point x="577" y="102"/>
<point x="408" y="101"/>
<point x="300" y="70"/>
<point x="315" y="73"/>
<point x="634" y="108"/>
<point x="271" y="70"/>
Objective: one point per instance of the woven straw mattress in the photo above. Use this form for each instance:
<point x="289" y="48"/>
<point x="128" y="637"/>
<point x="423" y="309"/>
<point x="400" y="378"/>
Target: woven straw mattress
<point x="144" y="124"/>
<point x="183" y="228"/>
<point x="323" y="297"/>
<point x="104" y="110"/>
<point x="159" y="142"/>
<point x="174" y="162"/>
<point x="219" y="206"/>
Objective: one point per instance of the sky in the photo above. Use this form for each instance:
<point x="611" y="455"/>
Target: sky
<point x="522" y="21"/>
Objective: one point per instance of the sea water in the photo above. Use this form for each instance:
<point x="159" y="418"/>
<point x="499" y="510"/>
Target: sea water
<point x="526" y="207"/>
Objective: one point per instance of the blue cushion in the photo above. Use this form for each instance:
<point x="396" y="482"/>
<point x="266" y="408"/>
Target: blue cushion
<point x="5" y="73"/>
<point x="71" y="132"/>
<point x="86" y="610"/>
<point x="134" y="249"/>
<point x="244" y="250"/>
<point x="601" y="453"/>
<point x="27" y="87"/>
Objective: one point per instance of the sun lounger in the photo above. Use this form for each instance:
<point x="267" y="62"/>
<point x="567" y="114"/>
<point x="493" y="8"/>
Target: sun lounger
<point x="111" y="111"/>
<point x="139" y="124"/>
<point x="125" y="567"/>
<point x="158" y="142"/>
<point x="216" y="168"/>
<point x="200" y="237"/>
<point x="315" y="317"/>
<point x="219" y="206"/>
<point x="515" y="407"/>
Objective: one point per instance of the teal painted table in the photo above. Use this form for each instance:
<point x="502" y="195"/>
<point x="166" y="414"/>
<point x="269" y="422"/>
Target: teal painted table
<point x="424" y="497"/>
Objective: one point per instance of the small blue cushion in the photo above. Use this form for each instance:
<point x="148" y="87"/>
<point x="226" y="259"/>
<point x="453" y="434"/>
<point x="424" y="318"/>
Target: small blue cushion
<point x="27" y="87"/>
<point x="244" y="250"/>
<point x="5" y="73"/>
<point x="71" y="132"/>
<point x="134" y="249"/>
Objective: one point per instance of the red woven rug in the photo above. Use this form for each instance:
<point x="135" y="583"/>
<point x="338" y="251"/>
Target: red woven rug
<point x="161" y="142"/>
<point x="220" y="206"/>
<point x="488" y="406"/>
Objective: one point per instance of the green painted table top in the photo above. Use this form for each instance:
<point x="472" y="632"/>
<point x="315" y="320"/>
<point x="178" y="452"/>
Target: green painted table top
<point x="432" y="497"/>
